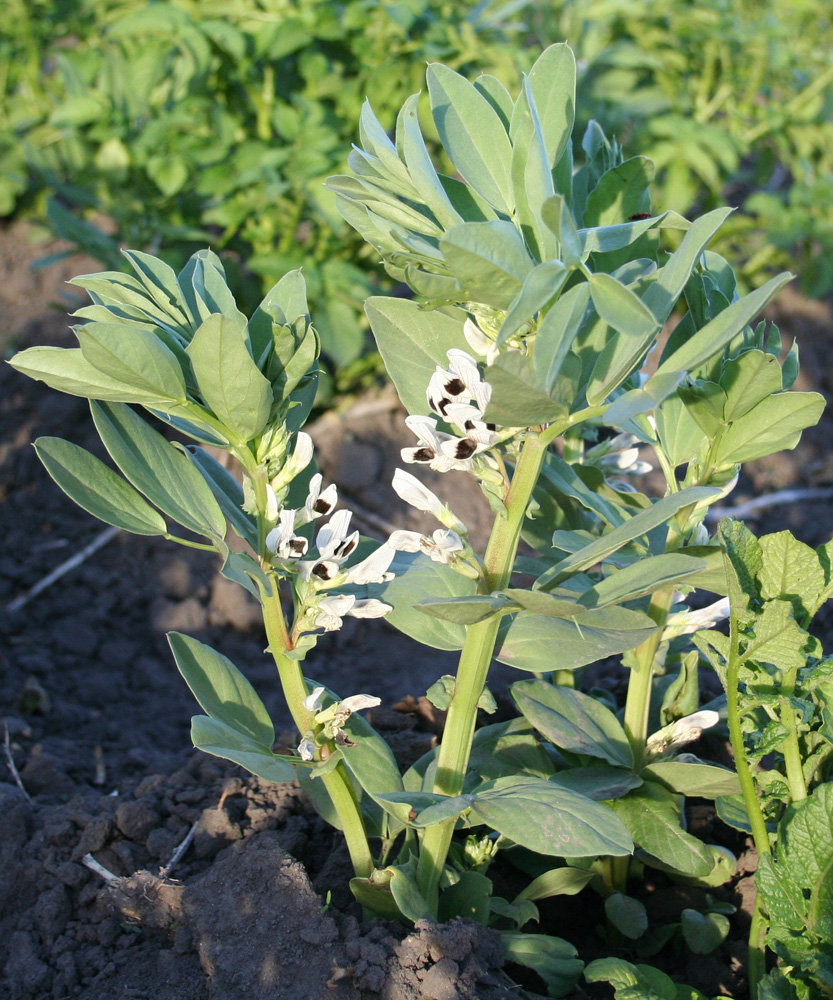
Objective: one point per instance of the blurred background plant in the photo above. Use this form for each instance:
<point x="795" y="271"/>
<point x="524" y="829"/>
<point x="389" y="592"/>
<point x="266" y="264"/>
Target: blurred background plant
<point x="176" y="125"/>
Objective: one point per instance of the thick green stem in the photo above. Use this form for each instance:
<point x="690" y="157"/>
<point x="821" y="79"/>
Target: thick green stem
<point x="756" y="962"/>
<point x="791" y="749"/>
<point x="638" y="701"/>
<point x="475" y="658"/>
<point x="337" y="782"/>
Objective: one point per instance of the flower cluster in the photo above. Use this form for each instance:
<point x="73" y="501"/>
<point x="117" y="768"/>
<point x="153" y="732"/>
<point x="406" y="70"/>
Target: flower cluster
<point x="334" y="544"/>
<point x="332" y="720"/>
<point x="460" y="397"/>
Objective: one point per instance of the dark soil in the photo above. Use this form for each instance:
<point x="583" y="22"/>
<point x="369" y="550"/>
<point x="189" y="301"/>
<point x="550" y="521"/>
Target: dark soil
<point x="98" y="721"/>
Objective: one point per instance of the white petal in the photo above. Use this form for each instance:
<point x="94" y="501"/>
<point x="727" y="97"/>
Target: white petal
<point x="306" y="749"/>
<point x="417" y="456"/>
<point x="464" y="367"/>
<point x="356" y="702"/>
<point x="337" y="604"/>
<point x="425" y="429"/>
<point x="302" y="455"/>
<point x="312" y="702"/>
<point x="273" y="539"/>
<point x="411" y="490"/>
<point x="373" y="568"/>
<point x="475" y="337"/>
<point x="369" y="608"/>
<point x="405" y="541"/>
<point x="333" y="532"/>
<point x="271" y="511"/>
<point x="461" y="414"/>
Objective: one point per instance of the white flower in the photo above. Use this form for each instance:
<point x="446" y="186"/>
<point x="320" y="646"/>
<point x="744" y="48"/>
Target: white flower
<point x="334" y="718"/>
<point x="680" y="732"/>
<point x="313" y="703"/>
<point x="373" y="569"/>
<point x="271" y="512"/>
<point x="334" y="546"/>
<point x="439" y="451"/>
<point x="688" y="622"/>
<point x="441" y="547"/>
<point x="459" y="383"/>
<point x="332" y="610"/>
<point x="306" y="749"/>
<point x="319" y="502"/>
<point x="476" y="338"/>
<point x="282" y="540"/>
<point x="412" y="491"/>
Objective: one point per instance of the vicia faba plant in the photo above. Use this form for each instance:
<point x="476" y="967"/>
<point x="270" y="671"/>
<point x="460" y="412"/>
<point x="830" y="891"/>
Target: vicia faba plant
<point x="532" y="361"/>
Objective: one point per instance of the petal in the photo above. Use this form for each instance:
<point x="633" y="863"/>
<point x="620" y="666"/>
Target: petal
<point x="411" y="490"/>
<point x="336" y="604"/>
<point x="356" y="702"/>
<point x="306" y="750"/>
<point x="405" y="541"/>
<point x="302" y="455"/>
<point x="333" y="532"/>
<point x="271" y="511"/>
<point x="419" y="456"/>
<point x="312" y="702"/>
<point x="464" y="367"/>
<point x="373" y="568"/>
<point x="369" y="608"/>
<point x="475" y="337"/>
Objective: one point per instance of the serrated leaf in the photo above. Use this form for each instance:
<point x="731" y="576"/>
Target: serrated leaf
<point x="778" y="638"/>
<point x="96" y="488"/>
<point x="791" y="571"/>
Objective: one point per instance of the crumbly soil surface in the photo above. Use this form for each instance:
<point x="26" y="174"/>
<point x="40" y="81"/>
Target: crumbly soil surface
<point x="98" y="717"/>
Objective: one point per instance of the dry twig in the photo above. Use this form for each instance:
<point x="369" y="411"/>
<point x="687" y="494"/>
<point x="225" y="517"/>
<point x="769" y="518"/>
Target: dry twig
<point x="102" y="538"/>
<point x="180" y="850"/>
<point x="98" y="868"/>
<point x="7" y="749"/>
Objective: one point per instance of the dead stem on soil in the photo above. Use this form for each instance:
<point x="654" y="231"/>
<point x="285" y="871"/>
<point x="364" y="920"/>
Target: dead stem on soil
<point x="101" y="539"/>
<point x="7" y="750"/>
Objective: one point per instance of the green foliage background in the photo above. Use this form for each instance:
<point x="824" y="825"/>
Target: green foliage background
<point x="189" y="124"/>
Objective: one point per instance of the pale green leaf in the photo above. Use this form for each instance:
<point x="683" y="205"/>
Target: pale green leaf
<point x="573" y="721"/>
<point x="99" y="490"/>
<point x="472" y="134"/>
<point x="215" y="737"/>
<point x="221" y="689"/>
<point x="229" y="380"/>
<point x="550" y="820"/>
<point x="489" y="260"/>
<point x="552" y="81"/>
<point x="166" y="475"/>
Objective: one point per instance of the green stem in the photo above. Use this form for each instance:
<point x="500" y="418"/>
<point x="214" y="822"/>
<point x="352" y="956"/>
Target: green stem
<point x="190" y="544"/>
<point x="756" y="963"/>
<point x="638" y="701"/>
<point x="747" y="781"/>
<point x="791" y="749"/>
<point x="475" y="658"/>
<point x="337" y="782"/>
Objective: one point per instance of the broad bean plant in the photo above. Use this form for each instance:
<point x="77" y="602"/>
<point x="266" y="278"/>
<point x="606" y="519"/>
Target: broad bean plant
<point x="532" y="357"/>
